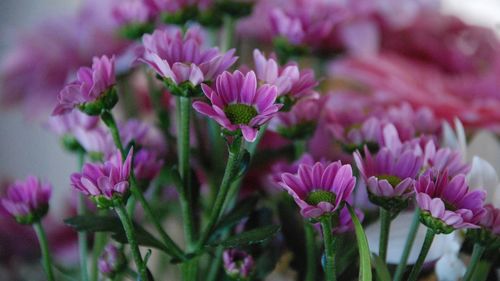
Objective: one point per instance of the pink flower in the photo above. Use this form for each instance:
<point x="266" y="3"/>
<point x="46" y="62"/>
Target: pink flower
<point x="282" y="167"/>
<point x="288" y="79"/>
<point x="174" y="6"/>
<point x="237" y="103"/>
<point x="491" y="219"/>
<point x="390" y="173"/>
<point x="445" y="159"/>
<point x="447" y="204"/>
<point x="300" y="122"/>
<point x="238" y="264"/>
<point x="28" y="201"/>
<point x="103" y="182"/>
<point x="111" y="261"/>
<point x="184" y="59"/>
<point x="90" y="86"/>
<point x="131" y="11"/>
<point x="147" y="164"/>
<point x="68" y="123"/>
<point x="319" y="189"/>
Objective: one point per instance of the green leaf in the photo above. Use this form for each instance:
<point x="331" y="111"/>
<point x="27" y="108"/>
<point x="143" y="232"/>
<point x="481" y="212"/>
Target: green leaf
<point x="242" y="210"/>
<point x="365" y="270"/>
<point x="250" y="237"/>
<point x="381" y="268"/>
<point x="93" y="223"/>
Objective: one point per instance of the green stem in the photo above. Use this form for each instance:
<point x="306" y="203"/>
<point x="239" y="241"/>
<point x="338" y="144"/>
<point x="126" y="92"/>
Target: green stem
<point x="82" y="236"/>
<point x="99" y="243"/>
<point x="477" y="252"/>
<point x="221" y="198"/>
<point x="410" y="239"/>
<point x="215" y="265"/>
<point x="310" y="251"/>
<point x="44" y="247"/>
<point x="228" y="35"/>
<point x="137" y="193"/>
<point x="429" y="236"/>
<point x="385" y="226"/>
<point x="130" y="233"/>
<point x="328" y="239"/>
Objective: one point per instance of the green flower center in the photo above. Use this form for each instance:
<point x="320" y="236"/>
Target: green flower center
<point x="318" y="196"/>
<point x="239" y="113"/>
<point x="393" y="180"/>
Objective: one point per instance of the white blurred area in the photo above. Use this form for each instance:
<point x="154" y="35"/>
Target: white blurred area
<point x="25" y="148"/>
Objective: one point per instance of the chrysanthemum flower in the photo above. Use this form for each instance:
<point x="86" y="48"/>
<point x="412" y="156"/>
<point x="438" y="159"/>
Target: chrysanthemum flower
<point x="284" y="167"/>
<point x="288" y="79"/>
<point x="238" y="264"/>
<point x="445" y="159"/>
<point x="147" y="164"/>
<point x="447" y="204"/>
<point x="320" y="189"/>
<point x="390" y="174"/>
<point x="111" y="261"/>
<point x="300" y="122"/>
<point x="92" y="90"/>
<point x="184" y="59"/>
<point x="343" y="223"/>
<point x="104" y="182"/>
<point x="237" y="103"/>
<point x="28" y="201"/>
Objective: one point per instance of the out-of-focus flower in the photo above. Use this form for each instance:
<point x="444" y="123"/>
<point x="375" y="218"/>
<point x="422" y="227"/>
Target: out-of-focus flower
<point x="28" y="201"/>
<point x="448" y="204"/>
<point x="288" y="79"/>
<point x="92" y="91"/>
<point x="104" y="182"/>
<point x="320" y="188"/>
<point x="131" y="12"/>
<point x="237" y="103"/>
<point x="445" y="159"/>
<point x="484" y="175"/>
<point x="300" y="122"/>
<point x="390" y="174"/>
<point x="343" y="223"/>
<point x="489" y="233"/>
<point x="491" y="220"/>
<point x="111" y="261"/>
<point x="147" y="164"/>
<point x="284" y="167"/>
<point x="181" y="59"/>
<point x="238" y="264"/>
<point x="175" y="6"/>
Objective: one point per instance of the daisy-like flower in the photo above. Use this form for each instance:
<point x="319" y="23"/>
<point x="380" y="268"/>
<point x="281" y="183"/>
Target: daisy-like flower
<point x="288" y="79"/>
<point x="284" y="167"/>
<point x="28" y="201"/>
<point x="147" y="164"/>
<point x="489" y="233"/>
<point x="104" y="182"/>
<point x="181" y="59"/>
<point x="343" y="223"/>
<point x="319" y="189"/>
<point x="300" y="122"/>
<point x="447" y="204"/>
<point x="238" y="264"/>
<point x="445" y="159"/>
<point x="390" y="174"/>
<point x="237" y="103"/>
<point x="93" y="89"/>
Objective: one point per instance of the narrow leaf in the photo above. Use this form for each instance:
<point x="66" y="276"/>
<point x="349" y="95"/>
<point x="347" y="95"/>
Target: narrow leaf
<point x="234" y="216"/>
<point x="365" y="270"/>
<point x="381" y="268"/>
<point x="250" y="237"/>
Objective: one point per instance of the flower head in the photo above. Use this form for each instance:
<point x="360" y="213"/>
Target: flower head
<point x="284" y="167"/>
<point x="147" y="164"/>
<point x="238" y="264"/>
<point x="489" y="233"/>
<point x="111" y="261"/>
<point x="288" y="79"/>
<point x="92" y="90"/>
<point x="237" y="103"/>
<point x="390" y="174"/>
<point x="343" y="223"/>
<point x="28" y="201"/>
<point x="447" y="204"/>
<point x="445" y="159"/>
<point x="104" y="182"/>
<point x="184" y="59"/>
<point x="300" y="122"/>
<point x="320" y="188"/>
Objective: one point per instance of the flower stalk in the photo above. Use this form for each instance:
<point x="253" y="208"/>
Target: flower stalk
<point x="44" y="247"/>
<point x="310" y="252"/>
<point x="410" y="239"/>
<point x="477" y="252"/>
<point x="385" y="226"/>
<point x="429" y="237"/>
<point x="82" y="235"/>
<point x="329" y="241"/>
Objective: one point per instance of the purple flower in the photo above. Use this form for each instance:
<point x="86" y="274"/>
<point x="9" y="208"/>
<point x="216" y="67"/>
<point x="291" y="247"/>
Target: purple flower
<point x="175" y="6"/>
<point x="390" y="174"/>
<point x="28" y="201"/>
<point x="238" y="264"/>
<point x="320" y="188"/>
<point x="91" y="85"/>
<point x="184" y="59"/>
<point x="447" y="204"/>
<point x="344" y="222"/>
<point x="237" y="103"/>
<point x="147" y="164"/>
<point x="283" y="167"/>
<point x="111" y="261"/>
<point x="445" y="159"/>
<point x="104" y="182"/>
<point x="288" y="79"/>
<point x="131" y="11"/>
<point x="491" y="219"/>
